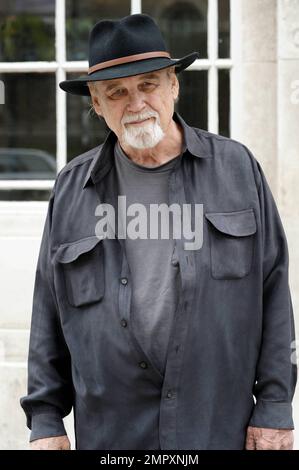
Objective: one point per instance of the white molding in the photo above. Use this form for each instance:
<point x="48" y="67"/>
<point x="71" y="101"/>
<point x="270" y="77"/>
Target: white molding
<point x="21" y="67"/>
<point x="24" y="207"/>
<point x="223" y="63"/>
<point x="135" y="6"/>
<point x="61" y="128"/>
<point x="213" y="120"/>
<point x="236" y="99"/>
<point x="206" y="64"/>
<point x="60" y="41"/>
<point x="14" y="330"/>
<point x="26" y="184"/>
<point x="75" y="66"/>
<point x="13" y="365"/>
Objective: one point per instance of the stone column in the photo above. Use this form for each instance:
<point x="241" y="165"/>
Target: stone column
<point x="288" y="136"/>
<point x="288" y="127"/>
<point x="270" y="117"/>
<point x="259" y="83"/>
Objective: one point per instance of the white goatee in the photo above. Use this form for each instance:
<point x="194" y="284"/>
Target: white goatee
<point x="143" y="136"/>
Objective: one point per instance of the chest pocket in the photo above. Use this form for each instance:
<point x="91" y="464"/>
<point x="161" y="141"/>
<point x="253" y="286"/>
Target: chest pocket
<point x="232" y="243"/>
<point x="83" y="270"/>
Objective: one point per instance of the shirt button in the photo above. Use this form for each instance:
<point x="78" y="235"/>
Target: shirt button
<point x="124" y="281"/>
<point x="169" y="394"/>
<point x="143" y="365"/>
<point x="124" y="323"/>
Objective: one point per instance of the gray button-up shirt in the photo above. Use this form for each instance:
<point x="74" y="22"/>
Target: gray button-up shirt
<point x="152" y="261"/>
<point x="229" y="353"/>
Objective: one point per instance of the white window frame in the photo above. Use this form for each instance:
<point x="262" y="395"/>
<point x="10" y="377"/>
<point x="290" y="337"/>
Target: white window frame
<point x="212" y="64"/>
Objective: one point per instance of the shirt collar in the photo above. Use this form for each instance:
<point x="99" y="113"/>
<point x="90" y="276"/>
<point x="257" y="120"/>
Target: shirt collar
<point x="102" y="161"/>
<point x="192" y="139"/>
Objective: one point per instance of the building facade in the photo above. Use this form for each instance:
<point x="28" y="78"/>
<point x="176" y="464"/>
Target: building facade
<point x="245" y="85"/>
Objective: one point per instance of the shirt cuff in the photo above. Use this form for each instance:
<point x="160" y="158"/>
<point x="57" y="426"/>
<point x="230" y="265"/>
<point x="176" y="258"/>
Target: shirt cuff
<point x="272" y="414"/>
<point x="46" y="425"/>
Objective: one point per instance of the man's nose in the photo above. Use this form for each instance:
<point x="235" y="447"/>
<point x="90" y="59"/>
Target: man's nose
<point x="135" y="102"/>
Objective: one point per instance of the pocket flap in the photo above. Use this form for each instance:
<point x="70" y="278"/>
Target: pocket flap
<point x="69" y="252"/>
<point x="238" y="223"/>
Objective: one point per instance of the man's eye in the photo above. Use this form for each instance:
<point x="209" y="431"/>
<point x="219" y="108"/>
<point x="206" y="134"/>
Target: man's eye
<point x="147" y="86"/>
<point x="117" y="93"/>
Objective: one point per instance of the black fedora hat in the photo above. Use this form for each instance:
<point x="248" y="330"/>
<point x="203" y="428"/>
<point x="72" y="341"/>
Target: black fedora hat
<point x="130" y="46"/>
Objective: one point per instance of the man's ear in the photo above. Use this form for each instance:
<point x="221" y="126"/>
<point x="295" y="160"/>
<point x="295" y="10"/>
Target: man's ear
<point x="96" y="104"/>
<point x="175" y="86"/>
<point x="95" y="99"/>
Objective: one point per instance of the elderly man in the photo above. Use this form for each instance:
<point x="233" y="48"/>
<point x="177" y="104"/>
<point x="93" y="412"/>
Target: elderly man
<point x="155" y="345"/>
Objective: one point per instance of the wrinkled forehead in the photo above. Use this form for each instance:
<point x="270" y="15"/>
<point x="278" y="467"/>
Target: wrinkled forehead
<point x="127" y="81"/>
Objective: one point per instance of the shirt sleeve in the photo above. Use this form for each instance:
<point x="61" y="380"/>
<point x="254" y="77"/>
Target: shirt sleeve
<point x="49" y="396"/>
<point x="276" y="373"/>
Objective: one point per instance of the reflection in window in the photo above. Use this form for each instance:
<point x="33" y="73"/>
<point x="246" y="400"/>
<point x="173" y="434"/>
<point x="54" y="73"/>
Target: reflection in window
<point x="85" y="129"/>
<point x="27" y="30"/>
<point x="224" y="102"/>
<point x="183" y="24"/>
<point x="82" y="16"/>
<point x="23" y="163"/>
<point x="223" y="28"/>
<point x="28" y="127"/>
<point x="24" y="195"/>
<point x="192" y="104"/>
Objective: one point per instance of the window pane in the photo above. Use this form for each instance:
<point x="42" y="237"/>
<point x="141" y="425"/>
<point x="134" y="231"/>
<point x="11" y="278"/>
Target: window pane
<point x="192" y="104"/>
<point x="27" y="30"/>
<point x="224" y="102"/>
<point x="183" y="24"/>
<point x="28" y="127"/>
<point x="24" y="194"/>
<point x="80" y="18"/>
<point x="224" y="28"/>
<point x="84" y="129"/>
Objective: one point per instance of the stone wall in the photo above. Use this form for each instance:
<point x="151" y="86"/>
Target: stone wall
<point x="269" y="127"/>
<point x="270" y="114"/>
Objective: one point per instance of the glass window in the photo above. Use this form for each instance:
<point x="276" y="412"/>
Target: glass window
<point x="82" y="16"/>
<point x="27" y="30"/>
<point x="28" y="127"/>
<point x="192" y="103"/>
<point x="223" y="28"/>
<point x="224" y="102"/>
<point x="28" y="115"/>
<point x="183" y="24"/>
<point x="85" y="129"/>
<point x="25" y="194"/>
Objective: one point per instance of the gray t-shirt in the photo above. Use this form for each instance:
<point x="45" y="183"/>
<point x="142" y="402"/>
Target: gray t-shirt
<point x="153" y="262"/>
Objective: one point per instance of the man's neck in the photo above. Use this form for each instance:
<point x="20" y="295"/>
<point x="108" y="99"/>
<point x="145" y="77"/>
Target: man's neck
<point x="170" y="147"/>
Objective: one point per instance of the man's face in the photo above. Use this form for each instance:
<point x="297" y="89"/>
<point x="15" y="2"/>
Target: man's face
<point x="137" y="109"/>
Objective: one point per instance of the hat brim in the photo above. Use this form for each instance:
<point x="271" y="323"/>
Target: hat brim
<point x="79" y="86"/>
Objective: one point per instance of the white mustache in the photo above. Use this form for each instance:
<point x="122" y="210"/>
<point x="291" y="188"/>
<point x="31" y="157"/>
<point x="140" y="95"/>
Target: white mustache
<point x="139" y="117"/>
